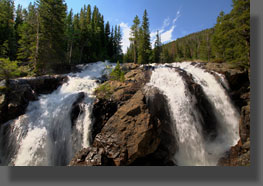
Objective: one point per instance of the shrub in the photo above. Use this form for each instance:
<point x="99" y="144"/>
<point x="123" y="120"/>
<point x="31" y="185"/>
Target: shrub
<point x="8" y="69"/>
<point x="104" y="91"/>
<point x="117" y="74"/>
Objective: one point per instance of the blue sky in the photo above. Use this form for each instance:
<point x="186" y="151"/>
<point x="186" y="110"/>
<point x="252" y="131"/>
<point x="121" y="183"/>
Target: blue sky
<point x="173" y="18"/>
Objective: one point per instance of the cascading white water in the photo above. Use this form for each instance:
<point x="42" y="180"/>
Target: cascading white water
<point x="41" y="136"/>
<point x="193" y="149"/>
<point x="45" y="134"/>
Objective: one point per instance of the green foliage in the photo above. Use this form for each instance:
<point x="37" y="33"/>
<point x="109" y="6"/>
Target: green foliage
<point x="7" y="29"/>
<point x="8" y="69"/>
<point x="157" y="49"/>
<point x="49" y="38"/>
<point x="140" y="48"/>
<point x="196" y="46"/>
<point x="228" y="41"/>
<point x="231" y="40"/>
<point x="117" y="74"/>
<point x="104" y="91"/>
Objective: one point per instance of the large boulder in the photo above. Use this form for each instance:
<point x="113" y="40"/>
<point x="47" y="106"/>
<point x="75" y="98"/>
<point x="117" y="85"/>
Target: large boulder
<point x="139" y="133"/>
<point x="117" y="93"/>
<point x="42" y="84"/>
<point x="14" y="102"/>
<point x="130" y="133"/>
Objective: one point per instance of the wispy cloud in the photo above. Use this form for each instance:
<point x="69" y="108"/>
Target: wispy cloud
<point x="166" y="23"/>
<point x="166" y="35"/>
<point x="125" y="36"/>
<point x="178" y="14"/>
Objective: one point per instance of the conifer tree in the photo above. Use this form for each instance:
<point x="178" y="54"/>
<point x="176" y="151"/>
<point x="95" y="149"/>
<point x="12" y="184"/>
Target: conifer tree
<point x="7" y="30"/>
<point x="52" y="15"/>
<point x="135" y="29"/>
<point x="145" y="44"/>
<point x="28" y="35"/>
<point x="157" y="49"/>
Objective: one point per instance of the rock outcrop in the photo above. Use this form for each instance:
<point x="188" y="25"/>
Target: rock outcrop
<point x="18" y="93"/>
<point x="130" y="124"/>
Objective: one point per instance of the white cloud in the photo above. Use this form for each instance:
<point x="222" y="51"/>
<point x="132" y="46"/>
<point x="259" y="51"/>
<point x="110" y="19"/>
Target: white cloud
<point x="167" y="36"/>
<point x="125" y="36"/>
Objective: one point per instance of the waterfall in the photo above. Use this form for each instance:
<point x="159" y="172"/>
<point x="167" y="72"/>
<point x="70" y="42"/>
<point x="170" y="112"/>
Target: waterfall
<point x="193" y="147"/>
<point x="45" y="135"/>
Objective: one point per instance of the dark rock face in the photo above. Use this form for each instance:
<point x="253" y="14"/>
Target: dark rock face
<point x="14" y="100"/>
<point x="76" y="108"/>
<point x="205" y="108"/>
<point x="158" y="107"/>
<point x="91" y="156"/>
<point x="244" y="124"/>
<point x="41" y="85"/>
<point x="102" y="106"/>
<point x="130" y="133"/>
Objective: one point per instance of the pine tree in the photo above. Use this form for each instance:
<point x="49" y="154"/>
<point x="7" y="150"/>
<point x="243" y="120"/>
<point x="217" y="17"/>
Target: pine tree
<point x="157" y="49"/>
<point x="52" y="15"/>
<point x="145" y="44"/>
<point x="7" y="30"/>
<point x="107" y="40"/>
<point x="135" y="37"/>
<point x="69" y="35"/>
<point x="28" y="35"/>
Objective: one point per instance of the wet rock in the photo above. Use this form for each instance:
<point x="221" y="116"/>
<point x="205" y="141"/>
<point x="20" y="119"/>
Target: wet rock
<point x="239" y="155"/>
<point x="244" y="124"/>
<point x="21" y="91"/>
<point x="158" y="107"/>
<point x="15" y="102"/>
<point x="209" y="120"/>
<point x="102" y="112"/>
<point x="238" y="81"/>
<point x="91" y="156"/>
<point x="42" y="84"/>
<point x="77" y="108"/>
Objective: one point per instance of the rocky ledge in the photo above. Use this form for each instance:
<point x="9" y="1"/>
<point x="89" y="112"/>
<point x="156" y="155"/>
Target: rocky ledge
<point x="17" y="93"/>
<point x="132" y="124"/>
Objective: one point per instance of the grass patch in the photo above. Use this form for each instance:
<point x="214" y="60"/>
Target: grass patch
<point x="104" y="91"/>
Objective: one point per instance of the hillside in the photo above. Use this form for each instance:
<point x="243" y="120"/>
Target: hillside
<point x="196" y="46"/>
